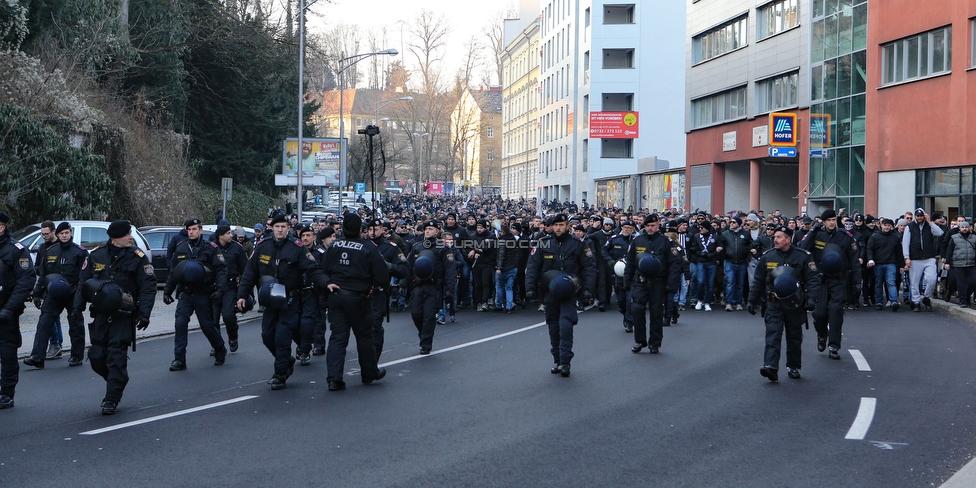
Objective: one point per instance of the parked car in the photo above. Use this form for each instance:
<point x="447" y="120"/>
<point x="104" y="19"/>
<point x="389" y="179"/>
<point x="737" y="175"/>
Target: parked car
<point x="159" y="237"/>
<point x="210" y="229"/>
<point x="87" y="233"/>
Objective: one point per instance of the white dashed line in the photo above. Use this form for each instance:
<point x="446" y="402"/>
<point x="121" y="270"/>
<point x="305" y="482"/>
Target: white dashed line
<point x="460" y="346"/>
<point x="865" y="414"/>
<point x="168" y="415"/>
<point x="862" y="364"/>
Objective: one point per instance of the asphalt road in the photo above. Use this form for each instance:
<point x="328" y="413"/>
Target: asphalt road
<point x="490" y="414"/>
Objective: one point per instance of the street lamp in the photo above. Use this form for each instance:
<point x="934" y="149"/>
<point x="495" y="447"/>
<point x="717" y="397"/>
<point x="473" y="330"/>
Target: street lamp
<point x="421" y="163"/>
<point x="355" y="58"/>
<point x="382" y="103"/>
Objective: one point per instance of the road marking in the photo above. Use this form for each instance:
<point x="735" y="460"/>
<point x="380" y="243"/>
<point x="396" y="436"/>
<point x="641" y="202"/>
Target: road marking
<point x="461" y="346"/>
<point x="863" y="420"/>
<point x="168" y="415"/>
<point x="862" y="364"/>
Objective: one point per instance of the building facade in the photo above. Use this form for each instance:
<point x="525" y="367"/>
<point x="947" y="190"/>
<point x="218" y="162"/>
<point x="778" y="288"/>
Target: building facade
<point x="476" y="123"/>
<point x="520" y="103"/>
<point x="616" y="61"/>
<point x="744" y="62"/>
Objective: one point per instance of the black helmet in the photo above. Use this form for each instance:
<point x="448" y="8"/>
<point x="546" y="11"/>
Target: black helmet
<point x="832" y="260"/>
<point x="787" y="290"/>
<point x="58" y="288"/>
<point x="648" y="265"/>
<point x="272" y="294"/>
<point x="109" y="299"/>
<point x="190" y="272"/>
<point x="423" y="267"/>
<point x="564" y="286"/>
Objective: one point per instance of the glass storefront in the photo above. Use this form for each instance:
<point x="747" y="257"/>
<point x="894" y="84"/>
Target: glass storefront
<point x="838" y="77"/>
<point x="948" y="191"/>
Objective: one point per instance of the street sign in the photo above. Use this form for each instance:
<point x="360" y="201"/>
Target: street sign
<point x="782" y="128"/>
<point x="227" y="186"/>
<point x="360" y="188"/>
<point x="782" y="152"/>
<point x="820" y="153"/>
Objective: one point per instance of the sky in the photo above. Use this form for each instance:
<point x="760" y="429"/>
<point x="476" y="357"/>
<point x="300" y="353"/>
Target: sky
<point x="465" y="17"/>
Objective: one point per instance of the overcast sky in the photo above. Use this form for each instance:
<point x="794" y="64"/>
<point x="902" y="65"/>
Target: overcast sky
<point x="465" y="17"/>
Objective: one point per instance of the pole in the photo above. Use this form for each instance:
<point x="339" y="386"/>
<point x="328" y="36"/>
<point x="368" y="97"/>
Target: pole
<point x="342" y="127"/>
<point x="301" y="102"/>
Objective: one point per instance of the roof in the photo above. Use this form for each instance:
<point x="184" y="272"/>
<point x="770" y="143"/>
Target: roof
<point x="489" y="101"/>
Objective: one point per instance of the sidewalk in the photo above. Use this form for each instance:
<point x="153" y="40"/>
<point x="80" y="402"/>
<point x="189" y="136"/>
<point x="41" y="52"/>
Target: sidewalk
<point x="161" y="323"/>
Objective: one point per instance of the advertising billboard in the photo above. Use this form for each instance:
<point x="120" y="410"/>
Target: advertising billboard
<point x="614" y="125"/>
<point x="318" y="157"/>
<point x="782" y="129"/>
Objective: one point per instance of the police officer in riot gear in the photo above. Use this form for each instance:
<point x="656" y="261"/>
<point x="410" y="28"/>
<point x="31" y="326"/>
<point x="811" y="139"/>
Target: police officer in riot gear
<point x="614" y="250"/>
<point x="124" y="270"/>
<point x="196" y="293"/>
<point x="235" y="259"/>
<point x="653" y="268"/>
<point x="355" y="267"/>
<point x="310" y="303"/>
<point x="429" y="291"/>
<point x="284" y="260"/>
<point x="16" y="279"/>
<point x="396" y="262"/>
<point x="785" y="306"/>
<point x="325" y="238"/>
<point x="836" y="253"/>
<point x="61" y="261"/>
<point x="561" y="252"/>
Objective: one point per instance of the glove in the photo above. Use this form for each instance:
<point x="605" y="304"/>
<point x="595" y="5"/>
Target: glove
<point x="6" y="315"/>
<point x="215" y="296"/>
<point x="810" y="306"/>
<point x="143" y="324"/>
<point x="530" y="294"/>
<point x="751" y="308"/>
<point x="587" y="294"/>
<point x="817" y="226"/>
<point x="38" y="301"/>
<point x="168" y="299"/>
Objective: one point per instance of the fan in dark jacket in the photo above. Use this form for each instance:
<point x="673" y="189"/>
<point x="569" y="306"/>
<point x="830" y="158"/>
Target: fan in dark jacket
<point x="884" y="254"/>
<point x="703" y="253"/>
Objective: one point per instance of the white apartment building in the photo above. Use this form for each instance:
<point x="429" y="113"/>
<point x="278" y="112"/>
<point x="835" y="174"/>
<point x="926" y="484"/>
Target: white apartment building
<point x="624" y="57"/>
<point x="520" y="103"/>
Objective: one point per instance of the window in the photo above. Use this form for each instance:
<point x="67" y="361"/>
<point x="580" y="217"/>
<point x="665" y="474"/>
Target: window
<point x="723" y="39"/>
<point x="778" y="92"/>
<point x="491" y="131"/>
<point x="618" y="102"/>
<point x="720" y="107"/>
<point x="491" y="154"/>
<point x="618" y="14"/>
<point x="618" y="58"/>
<point x="617" y="148"/>
<point x="921" y="56"/>
<point x="776" y="17"/>
<point x="972" y="42"/>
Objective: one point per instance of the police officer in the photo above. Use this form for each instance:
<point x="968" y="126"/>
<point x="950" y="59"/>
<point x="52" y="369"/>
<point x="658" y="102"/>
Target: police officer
<point x="120" y="266"/>
<point x="62" y="260"/>
<point x="196" y="293"/>
<point x="17" y="277"/>
<point x="310" y="303"/>
<point x="648" y="284"/>
<point x="561" y="252"/>
<point x="355" y="267"/>
<point x="784" y="310"/>
<point x="325" y="237"/>
<point x="235" y="259"/>
<point x="826" y="240"/>
<point x="285" y="260"/>
<point x="614" y="250"/>
<point x="396" y="263"/>
<point x="429" y="292"/>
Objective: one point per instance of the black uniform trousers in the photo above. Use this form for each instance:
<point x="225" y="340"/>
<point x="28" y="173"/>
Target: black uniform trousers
<point x="624" y="303"/>
<point x="561" y="316"/>
<point x="648" y="296"/>
<point x="307" y="322"/>
<point x="226" y="307"/>
<point x="830" y="310"/>
<point x="50" y="311"/>
<point x="354" y="313"/>
<point x="10" y="341"/>
<point x="381" y="300"/>
<point x="867" y="285"/>
<point x="108" y="354"/>
<point x="202" y="304"/>
<point x="777" y="319"/>
<point x="424" y="304"/>
<point x="318" y="333"/>
<point x="278" y="329"/>
<point x="604" y="281"/>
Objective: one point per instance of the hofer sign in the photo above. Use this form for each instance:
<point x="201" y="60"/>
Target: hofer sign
<point x="614" y="125"/>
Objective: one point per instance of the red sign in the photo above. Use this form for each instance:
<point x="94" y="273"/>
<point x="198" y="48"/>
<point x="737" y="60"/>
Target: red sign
<point x="435" y="188"/>
<point x="614" y="125"/>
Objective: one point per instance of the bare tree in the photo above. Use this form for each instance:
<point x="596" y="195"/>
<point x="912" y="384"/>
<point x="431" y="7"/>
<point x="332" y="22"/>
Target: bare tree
<point x="472" y="60"/>
<point x="429" y="39"/>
